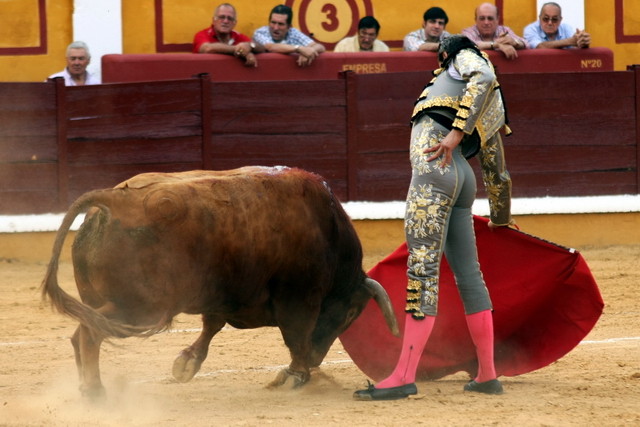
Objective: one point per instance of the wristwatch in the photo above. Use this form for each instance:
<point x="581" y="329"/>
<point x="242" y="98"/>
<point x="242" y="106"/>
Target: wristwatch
<point x="253" y="46"/>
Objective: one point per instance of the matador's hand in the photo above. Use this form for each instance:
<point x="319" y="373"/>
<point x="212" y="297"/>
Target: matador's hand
<point x="445" y="146"/>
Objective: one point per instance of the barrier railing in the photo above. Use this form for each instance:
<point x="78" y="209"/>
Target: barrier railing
<point x="274" y="66"/>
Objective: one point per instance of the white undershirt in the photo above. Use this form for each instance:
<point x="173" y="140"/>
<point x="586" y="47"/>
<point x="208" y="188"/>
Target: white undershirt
<point x="454" y="73"/>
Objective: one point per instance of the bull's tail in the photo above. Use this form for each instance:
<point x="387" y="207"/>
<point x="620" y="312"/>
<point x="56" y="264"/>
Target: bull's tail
<point x="70" y="306"/>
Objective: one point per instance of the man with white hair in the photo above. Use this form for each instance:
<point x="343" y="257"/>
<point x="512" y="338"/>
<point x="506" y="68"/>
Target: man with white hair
<point x="222" y="38"/>
<point x="76" y="74"/>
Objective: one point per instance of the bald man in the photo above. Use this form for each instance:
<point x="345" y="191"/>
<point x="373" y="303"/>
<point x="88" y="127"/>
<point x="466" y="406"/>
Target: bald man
<point x="487" y="34"/>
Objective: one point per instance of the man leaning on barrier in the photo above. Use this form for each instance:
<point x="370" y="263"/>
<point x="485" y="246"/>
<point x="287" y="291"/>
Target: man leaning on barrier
<point x="487" y="33"/>
<point x="221" y="37"/>
<point x="549" y="32"/>
<point x="280" y="37"/>
<point x="428" y="37"/>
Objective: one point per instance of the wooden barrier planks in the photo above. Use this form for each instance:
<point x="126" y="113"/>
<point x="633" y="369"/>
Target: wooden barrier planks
<point x="385" y="104"/>
<point x="28" y="148"/>
<point x="117" y="131"/>
<point x="288" y="123"/>
<point x="575" y="134"/>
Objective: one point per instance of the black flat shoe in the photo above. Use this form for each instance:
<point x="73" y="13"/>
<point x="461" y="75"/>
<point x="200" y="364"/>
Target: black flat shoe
<point x="391" y="393"/>
<point x="487" y="387"/>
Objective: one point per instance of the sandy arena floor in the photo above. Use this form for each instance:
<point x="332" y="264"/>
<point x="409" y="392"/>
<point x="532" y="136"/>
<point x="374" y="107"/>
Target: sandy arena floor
<point x="597" y="384"/>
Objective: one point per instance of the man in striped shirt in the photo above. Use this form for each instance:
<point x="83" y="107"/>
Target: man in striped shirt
<point x="428" y="37"/>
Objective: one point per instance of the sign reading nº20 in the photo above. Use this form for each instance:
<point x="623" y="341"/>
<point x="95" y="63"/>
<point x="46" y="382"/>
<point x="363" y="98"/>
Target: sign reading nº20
<point x="591" y="63"/>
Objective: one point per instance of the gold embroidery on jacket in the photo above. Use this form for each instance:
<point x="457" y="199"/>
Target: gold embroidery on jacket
<point x="485" y="115"/>
<point x="463" y="113"/>
<point x="441" y="101"/>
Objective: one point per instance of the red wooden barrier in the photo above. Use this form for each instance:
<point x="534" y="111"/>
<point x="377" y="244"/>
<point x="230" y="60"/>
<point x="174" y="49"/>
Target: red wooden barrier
<point x="291" y="123"/>
<point x="274" y="66"/>
<point x="28" y="148"/>
<point x="117" y="131"/>
<point x="575" y="134"/>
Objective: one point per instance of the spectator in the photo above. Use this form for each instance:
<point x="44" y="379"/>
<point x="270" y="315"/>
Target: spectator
<point x="280" y="37"/>
<point x="221" y="37"/>
<point x="487" y="34"/>
<point x="435" y="21"/>
<point x="76" y="74"/>
<point x="366" y="40"/>
<point x="551" y="33"/>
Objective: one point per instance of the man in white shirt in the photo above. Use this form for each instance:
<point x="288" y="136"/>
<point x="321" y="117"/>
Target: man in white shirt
<point x="75" y="74"/>
<point x="366" y="40"/>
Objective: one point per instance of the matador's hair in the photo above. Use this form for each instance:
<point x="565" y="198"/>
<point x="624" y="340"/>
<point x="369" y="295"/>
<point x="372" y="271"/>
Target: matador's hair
<point x="455" y="43"/>
<point x="452" y="45"/>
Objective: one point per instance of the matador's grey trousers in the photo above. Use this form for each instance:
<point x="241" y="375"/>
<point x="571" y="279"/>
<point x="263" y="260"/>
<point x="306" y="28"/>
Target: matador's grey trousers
<point x="438" y="220"/>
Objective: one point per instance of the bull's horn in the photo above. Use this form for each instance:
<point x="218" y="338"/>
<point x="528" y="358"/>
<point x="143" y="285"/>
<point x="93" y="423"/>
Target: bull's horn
<point x="384" y="302"/>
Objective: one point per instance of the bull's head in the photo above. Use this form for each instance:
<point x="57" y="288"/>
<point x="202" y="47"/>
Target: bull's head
<point x="338" y="314"/>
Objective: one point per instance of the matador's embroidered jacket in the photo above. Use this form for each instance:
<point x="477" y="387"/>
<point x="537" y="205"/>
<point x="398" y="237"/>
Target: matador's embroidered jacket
<point x="473" y="103"/>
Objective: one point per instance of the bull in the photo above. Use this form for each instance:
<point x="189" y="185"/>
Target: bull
<point x="249" y="247"/>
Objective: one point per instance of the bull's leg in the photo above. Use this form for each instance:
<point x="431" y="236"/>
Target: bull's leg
<point x="86" y="346"/>
<point x="89" y="349"/>
<point x="297" y="336"/>
<point x="75" y="342"/>
<point x="320" y="349"/>
<point x="190" y="359"/>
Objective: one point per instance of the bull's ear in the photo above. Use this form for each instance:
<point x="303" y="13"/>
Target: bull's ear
<point x="384" y="302"/>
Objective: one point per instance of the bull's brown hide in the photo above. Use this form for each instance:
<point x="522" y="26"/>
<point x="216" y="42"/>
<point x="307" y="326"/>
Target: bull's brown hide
<point x="250" y="247"/>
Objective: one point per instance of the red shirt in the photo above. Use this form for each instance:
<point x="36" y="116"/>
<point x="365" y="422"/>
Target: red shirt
<point x="208" y="35"/>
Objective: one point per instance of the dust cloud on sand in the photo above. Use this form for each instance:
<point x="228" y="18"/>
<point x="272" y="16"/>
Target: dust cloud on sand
<point x="597" y="384"/>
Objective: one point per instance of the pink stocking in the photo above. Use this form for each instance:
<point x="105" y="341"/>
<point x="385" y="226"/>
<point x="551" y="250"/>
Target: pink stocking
<point x="416" y="334"/>
<point x="481" y="329"/>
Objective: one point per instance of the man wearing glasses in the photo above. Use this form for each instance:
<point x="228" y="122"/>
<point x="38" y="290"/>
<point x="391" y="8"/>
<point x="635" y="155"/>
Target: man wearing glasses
<point x="428" y="37"/>
<point x="221" y="38"/>
<point x="366" y="40"/>
<point x="280" y="37"/>
<point x="551" y="33"/>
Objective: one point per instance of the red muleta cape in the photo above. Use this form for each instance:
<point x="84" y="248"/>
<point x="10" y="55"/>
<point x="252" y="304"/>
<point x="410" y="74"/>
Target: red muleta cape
<point x="545" y="302"/>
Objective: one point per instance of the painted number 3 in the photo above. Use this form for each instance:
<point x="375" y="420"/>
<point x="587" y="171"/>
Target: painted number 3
<point x="331" y="22"/>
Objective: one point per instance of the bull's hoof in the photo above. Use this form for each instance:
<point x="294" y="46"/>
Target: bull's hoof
<point x="186" y="366"/>
<point x="291" y="379"/>
<point x="94" y="395"/>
